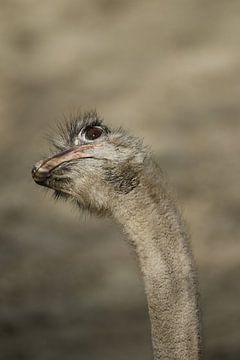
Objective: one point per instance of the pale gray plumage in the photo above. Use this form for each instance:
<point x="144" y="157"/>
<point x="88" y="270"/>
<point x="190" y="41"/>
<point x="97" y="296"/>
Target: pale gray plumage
<point x="112" y="173"/>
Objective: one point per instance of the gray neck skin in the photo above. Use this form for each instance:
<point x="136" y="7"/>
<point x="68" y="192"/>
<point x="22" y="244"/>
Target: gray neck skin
<point x="155" y="228"/>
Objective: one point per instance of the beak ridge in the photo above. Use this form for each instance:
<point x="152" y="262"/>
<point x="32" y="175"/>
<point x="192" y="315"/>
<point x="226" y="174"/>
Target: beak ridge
<point x="42" y="169"/>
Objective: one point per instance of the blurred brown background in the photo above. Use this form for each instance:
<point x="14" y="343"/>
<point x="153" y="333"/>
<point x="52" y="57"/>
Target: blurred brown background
<point x="169" y="71"/>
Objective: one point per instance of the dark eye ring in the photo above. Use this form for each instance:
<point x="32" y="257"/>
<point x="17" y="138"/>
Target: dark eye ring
<point x="92" y="133"/>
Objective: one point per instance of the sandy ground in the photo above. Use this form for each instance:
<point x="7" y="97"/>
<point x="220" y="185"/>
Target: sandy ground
<point x="169" y="71"/>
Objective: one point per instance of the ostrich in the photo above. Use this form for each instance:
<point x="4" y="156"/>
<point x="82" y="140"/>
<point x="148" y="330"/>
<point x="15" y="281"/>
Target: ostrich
<point x="111" y="173"/>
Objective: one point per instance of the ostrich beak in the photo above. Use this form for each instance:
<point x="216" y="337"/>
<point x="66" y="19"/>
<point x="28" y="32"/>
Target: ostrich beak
<point x="41" y="171"/>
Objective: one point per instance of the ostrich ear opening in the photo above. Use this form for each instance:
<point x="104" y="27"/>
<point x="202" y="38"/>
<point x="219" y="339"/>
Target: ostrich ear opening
<point x="123" y="178"/>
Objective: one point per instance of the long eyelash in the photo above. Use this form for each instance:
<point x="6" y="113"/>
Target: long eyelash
<point x="76" y="124"/>
<point x="71" y="126"/>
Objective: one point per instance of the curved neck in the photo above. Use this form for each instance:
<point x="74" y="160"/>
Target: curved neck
<point x="155" y="228"/>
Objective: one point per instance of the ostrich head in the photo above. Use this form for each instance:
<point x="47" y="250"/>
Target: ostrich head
<point x="92" y="163"/>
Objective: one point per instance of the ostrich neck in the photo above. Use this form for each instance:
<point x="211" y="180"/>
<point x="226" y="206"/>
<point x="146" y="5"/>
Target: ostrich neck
<point x="155" y="228"/>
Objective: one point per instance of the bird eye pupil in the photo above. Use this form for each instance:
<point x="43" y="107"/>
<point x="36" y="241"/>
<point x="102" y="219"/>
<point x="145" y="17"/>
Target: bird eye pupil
<point x="93" y="132"/>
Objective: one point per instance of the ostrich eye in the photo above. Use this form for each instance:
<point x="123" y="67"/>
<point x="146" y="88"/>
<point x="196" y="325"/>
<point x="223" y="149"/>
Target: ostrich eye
<point x="93" y="132"/>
